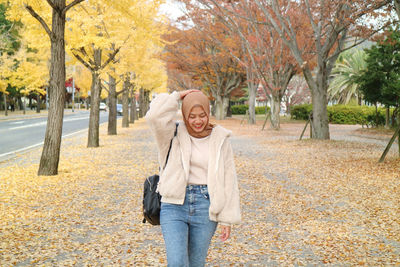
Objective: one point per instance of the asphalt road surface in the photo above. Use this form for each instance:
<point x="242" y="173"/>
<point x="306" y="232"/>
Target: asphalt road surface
<point x="19" y="135"/>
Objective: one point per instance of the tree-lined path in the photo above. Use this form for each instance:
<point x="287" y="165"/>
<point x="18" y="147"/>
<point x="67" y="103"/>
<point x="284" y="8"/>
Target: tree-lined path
<point x="304" y="202"/>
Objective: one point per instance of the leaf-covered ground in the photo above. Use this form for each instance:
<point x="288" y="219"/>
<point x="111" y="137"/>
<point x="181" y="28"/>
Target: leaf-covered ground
<point x="304" y="203"/>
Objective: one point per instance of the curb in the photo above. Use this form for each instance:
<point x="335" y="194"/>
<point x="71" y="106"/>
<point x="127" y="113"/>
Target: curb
<point x="35" y="115"/>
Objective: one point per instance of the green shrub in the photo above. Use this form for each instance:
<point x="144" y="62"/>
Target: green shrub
<point x="343" y="114"/>
<point x="241" y="109"/>
<point x="261" y="110"/>
<point x="376" y="120"/>
<point x="300" y="112"/>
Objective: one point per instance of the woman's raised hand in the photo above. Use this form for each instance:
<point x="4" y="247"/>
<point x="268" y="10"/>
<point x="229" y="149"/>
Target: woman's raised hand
<point x="186" y="92"/>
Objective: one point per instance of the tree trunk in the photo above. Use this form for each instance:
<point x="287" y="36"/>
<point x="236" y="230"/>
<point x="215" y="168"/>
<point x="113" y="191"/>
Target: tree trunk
<point x="146" y="101"/>
<point x="221" y="107"/>
<point x="112" y="106"/>
<point x="320" y="115"/>
<point x="5" y="104"/>
<point x="132" y="114"/>
<point x="394" y="117"/>
<point x="141" y="103"/>
<point x="39" y="102"/>
<point x="252" y="102"/>
<point x="275" y="111"/>
<point x="125" y="103"/>
<point x="320" y="122"/>
<point x="20" y="104"/>
<point x="387" y="121"/>
<point x="229" y="111"/>
<point x="24" y="106"/>
<point x="359" y="99"/>
<point x="93" y="134"/>
<point x="52" y="142"/>
<point x="213" y="108"/>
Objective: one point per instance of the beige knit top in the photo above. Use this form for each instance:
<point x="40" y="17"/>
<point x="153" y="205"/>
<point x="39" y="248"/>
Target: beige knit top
<point x="199" y="160"/>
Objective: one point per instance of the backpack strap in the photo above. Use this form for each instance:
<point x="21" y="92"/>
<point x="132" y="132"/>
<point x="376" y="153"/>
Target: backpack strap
<point x="170" y="144"/>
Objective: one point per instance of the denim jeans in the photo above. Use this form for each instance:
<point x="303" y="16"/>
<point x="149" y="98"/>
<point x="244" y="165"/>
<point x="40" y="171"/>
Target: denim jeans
<point x="187" y="229"/>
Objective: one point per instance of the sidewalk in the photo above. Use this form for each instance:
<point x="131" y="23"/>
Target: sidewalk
<point x="304" y="203"/>
<point x="18" y="114"/>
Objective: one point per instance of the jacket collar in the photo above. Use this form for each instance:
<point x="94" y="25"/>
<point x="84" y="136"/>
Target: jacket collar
<point x="217" y="138"/>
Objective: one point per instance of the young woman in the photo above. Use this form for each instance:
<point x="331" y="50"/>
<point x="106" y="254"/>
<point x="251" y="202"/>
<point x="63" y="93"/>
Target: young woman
<point x="198" y="186"/>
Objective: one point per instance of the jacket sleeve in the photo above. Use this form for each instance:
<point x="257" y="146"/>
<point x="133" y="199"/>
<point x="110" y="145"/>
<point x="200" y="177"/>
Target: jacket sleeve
<point x="161" y="120"/>
<point x="230" y="213"/>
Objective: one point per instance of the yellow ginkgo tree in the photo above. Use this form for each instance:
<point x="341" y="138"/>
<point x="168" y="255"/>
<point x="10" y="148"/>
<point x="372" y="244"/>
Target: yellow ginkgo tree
<point x="134" y="65"/>
<point x="94" y="43"/>
<point x="30" y="71"/>
<point x="51" y="15"/>
<point x="26" y="68"/>
<point x="98" y="33"/>
<point x="6" y="64"/>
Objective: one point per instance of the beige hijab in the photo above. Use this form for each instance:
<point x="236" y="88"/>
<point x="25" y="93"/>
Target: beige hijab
<point x="188" y="103"/>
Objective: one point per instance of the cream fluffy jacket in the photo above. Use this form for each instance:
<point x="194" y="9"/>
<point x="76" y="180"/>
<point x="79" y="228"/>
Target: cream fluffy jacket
<point x="221" y="180"/>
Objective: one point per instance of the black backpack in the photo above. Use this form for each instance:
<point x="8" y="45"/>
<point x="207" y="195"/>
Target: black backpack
<point x="151" y="198"/>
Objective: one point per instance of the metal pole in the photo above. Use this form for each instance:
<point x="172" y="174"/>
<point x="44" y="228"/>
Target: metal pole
<point x="73" y="93"/>
<point x="73" y="88"/>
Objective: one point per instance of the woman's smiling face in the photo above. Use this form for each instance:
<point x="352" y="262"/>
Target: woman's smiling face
<point x="197" y="119"/>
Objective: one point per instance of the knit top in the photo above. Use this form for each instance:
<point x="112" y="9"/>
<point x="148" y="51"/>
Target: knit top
<point x="199" y="160"/>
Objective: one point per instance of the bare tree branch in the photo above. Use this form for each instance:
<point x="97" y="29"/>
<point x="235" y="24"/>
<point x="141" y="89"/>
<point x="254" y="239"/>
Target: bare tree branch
<point x="41" y="20"/>
<point x="104" y="87"/>
<point x="110" y="58"/>
<point x="82" y="50"/>
<point x="87" y="65"/>
<point x="74" y="3"/>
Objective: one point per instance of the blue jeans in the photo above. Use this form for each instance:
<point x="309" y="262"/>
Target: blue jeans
<point x="187" y="229"/>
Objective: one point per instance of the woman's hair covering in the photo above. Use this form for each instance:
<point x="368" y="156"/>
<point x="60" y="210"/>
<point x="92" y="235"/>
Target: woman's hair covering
<point x="188" y="103"/>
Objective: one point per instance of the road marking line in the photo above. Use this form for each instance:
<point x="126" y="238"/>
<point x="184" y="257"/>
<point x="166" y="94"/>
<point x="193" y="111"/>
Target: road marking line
<point x="44" y="123"/>
<point x="38" y="144"/>
<point x="19" y="150"/>
<point x="28" y="126"/>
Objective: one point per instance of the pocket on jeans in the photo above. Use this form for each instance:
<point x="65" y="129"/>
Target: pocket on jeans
<point x="206" y="195"/>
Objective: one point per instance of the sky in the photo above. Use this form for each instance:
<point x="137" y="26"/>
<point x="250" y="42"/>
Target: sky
<point x="172" y="9"/>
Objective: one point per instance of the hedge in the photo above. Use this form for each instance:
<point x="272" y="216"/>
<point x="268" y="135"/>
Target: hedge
<point x="300" y="112"/>
<point x="343" y="114"/>
<point x="241" y="109"/>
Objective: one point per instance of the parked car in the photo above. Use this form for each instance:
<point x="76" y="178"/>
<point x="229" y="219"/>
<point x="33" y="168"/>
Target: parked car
<point x="119" y="109"/>
<point x="103" y="106"/>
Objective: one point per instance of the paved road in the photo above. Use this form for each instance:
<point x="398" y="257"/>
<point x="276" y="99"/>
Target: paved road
<point x="22" y="134"/>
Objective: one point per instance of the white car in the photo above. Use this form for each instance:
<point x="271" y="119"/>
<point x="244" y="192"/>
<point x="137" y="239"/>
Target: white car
<point x="103" y="106"/>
